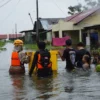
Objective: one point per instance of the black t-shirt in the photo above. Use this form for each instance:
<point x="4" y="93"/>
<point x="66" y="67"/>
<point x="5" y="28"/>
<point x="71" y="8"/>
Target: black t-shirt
<point x="79" y="56"/>
<point x="66" y="55"/>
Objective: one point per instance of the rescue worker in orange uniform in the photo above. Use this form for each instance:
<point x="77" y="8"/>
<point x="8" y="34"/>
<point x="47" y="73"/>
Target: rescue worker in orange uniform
<point x="42" y="61"/>
<point x="18" y="58"/>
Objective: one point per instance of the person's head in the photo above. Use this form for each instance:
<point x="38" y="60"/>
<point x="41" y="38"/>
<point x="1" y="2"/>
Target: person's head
<point x="86" y="59"/>
<point x="41" y="45"/>
<point x="68" y="42"/>
<point x="80" y="45"/>
<point x="18" y="48"/>
<point x="18" y="45"/>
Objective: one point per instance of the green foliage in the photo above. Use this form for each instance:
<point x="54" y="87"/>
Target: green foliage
<point x="75" y="9"/>
<point x="95" y="51"/>
<point x="2" y="43"/>
<point x="91" y="4"/>
<point x="34" y="47"/>
<point x="31" y="46"/>
<point x="79" y="7"/>
<point x="98" y="68"/>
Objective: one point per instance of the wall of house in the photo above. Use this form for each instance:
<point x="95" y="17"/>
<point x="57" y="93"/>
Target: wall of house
<point x="93" y="19"/>
<point x="74" y="36"/>
<point x="49" y="36"/>
<point x="28" y="37"/>
<point x="63" y="26"/>
<point x="72" y="31"/>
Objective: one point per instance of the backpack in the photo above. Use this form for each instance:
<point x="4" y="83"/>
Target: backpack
<point x="72" y="55"/>
<point x="44" y="58"/>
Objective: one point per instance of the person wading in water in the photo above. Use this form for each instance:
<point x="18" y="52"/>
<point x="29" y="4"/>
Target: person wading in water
<point x="41" y="61"/>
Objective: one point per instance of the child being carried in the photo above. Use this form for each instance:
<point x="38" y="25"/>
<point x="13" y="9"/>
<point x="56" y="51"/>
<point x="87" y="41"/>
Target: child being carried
<point x="86" y="62"/>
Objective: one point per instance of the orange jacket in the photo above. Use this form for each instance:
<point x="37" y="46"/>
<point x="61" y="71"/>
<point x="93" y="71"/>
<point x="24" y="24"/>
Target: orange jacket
<point x="15" y="61"/>
<point x="40" y="66"/>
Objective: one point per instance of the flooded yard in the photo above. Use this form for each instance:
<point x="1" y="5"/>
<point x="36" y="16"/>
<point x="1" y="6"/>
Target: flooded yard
<point x="61" y="86"/>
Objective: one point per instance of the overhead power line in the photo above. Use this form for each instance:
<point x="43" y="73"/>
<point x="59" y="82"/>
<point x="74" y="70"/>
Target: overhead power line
<point x="59" y="7"/>
<point x="1" y="1"/>
<point x="11" y="12"/>
<point x="5" y="3"/>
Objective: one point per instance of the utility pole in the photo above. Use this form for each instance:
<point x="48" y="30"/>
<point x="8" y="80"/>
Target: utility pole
<point x="16" y="30"/>
<point x="37" y="22"/>
<point x="31" y="19"/>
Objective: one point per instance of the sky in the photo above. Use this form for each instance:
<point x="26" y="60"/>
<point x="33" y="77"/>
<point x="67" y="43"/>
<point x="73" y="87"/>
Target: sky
<point x="16" y="12"/>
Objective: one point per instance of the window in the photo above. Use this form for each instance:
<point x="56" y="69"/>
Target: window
<point x="64" y="33"/>
<point x="56" y="34"/>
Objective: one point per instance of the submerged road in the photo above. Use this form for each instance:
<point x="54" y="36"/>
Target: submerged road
<point x="62" y="86"/>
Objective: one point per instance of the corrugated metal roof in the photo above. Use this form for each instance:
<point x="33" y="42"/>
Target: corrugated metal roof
<point x="71" y="17"/>
<point x="81" y="16"/>
<point x="44" y="24"/>
<point x="48" y="22"/>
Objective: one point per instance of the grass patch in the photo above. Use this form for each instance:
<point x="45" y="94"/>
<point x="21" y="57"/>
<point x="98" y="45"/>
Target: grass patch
<point x="34" y="47"/>
<point x="30" y="46"/>
<point x="2" y="43"/>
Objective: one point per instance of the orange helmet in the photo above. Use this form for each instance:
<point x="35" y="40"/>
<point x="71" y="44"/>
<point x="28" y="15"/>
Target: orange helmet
<point x="18" y="42"/>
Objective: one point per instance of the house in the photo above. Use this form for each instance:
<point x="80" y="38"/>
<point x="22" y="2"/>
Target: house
<point x="29" y="36"/>
<point x="10" y="36"/>
<point x="79" y="26"/>
<point x="14" y="36"/>
<point x="45" y="30"/>
<point x="3" y="36"/>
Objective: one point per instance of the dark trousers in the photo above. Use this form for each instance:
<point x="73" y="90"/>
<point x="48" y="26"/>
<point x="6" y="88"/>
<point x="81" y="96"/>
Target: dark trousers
<point x="44" y="72"/>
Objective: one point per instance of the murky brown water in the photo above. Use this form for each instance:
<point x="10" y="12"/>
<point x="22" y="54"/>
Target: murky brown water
<point x="62" y="86"/>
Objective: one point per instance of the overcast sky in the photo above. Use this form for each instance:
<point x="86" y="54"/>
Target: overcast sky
<point x="16" y="11"/>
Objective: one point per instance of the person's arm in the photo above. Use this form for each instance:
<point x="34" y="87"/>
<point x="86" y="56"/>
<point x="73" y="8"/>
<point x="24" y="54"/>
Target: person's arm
<point x="23" y="57"/>
<point x="62" y="55"/>
<point x="76" y="58"/>
<point x="88" y="53"/>
<point x="33" y="63"/>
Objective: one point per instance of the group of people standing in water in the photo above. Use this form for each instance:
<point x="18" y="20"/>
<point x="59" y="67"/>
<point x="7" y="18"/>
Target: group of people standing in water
<point x="81" y="57"/>
<point x="78" y="58"/>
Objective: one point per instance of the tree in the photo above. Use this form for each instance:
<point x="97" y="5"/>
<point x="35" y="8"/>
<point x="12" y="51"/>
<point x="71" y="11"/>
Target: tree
<point x="75" y="9"/>
<point x="79" y="8"/>
<point x="90" y="4"/>
<point x="98" y="4"/>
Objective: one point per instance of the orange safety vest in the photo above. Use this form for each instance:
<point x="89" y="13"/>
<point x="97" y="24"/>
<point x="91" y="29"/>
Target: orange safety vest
<point x="39" y="65"/>
<point x="15" y="61"/>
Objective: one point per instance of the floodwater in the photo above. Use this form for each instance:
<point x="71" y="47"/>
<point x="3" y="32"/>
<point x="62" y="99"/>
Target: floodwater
<point x="62" y="86"/>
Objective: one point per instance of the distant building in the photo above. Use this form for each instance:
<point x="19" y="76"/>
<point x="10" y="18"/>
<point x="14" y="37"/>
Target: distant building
<point x="3" y="36"/>
<point x="10" y="36"/>
<point x="45" y="30"/>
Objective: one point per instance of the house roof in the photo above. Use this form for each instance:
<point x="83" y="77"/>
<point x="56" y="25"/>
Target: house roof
<point x="26" y="31"/>
<point x="46" y="23"/>
<point x="77" y="18"/>
<point x="12" y="36"/>
<point x="3" y="36"/>
<point x="51" y="21"/>
<point x="93" y="27"/>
